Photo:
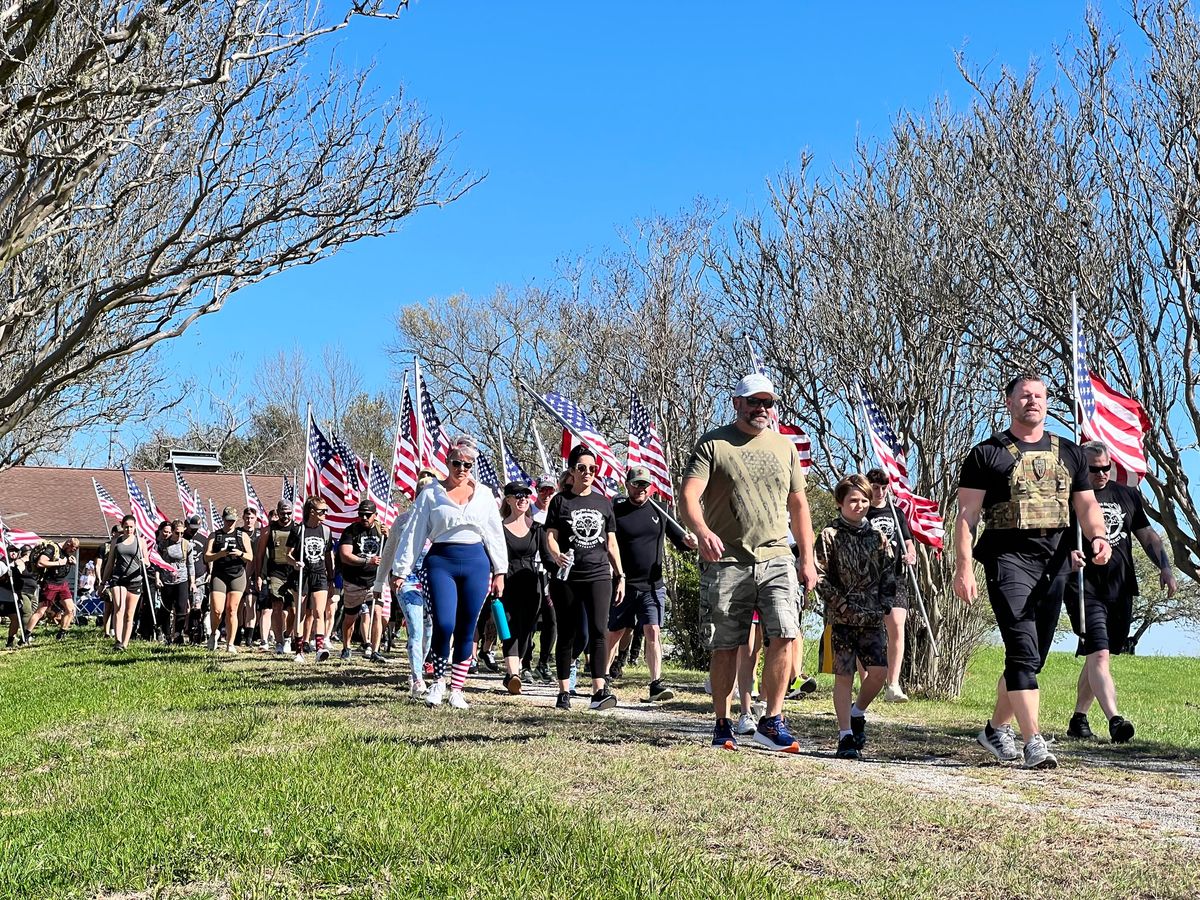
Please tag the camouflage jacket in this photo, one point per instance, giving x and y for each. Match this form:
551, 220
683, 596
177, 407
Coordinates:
856, 572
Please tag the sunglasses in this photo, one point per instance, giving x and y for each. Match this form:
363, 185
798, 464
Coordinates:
586, 470
519, 496
462, 464
1096, 470
320, 512
764, 402
639, 485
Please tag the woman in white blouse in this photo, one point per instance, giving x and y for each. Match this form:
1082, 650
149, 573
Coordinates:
466, 558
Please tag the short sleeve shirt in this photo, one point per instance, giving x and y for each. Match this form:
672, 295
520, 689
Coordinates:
583, 525
883, 519
317, 542
1124, 514
749, 478
363, 541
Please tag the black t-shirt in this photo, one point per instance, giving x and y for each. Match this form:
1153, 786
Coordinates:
229, 566
1124, 514
987, 468
883, 519
523, 551
318, 543
583, 525
52, 574
640, 532
363, 540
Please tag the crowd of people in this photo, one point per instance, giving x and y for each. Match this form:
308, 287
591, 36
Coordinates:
559, 567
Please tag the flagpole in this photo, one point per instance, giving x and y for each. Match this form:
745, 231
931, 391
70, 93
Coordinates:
909, 570
396, 439
149, 597
546, 406
537, 440
1076, 341
18, 606
420, 417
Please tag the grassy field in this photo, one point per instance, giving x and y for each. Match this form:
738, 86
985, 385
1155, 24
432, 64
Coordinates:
177, 774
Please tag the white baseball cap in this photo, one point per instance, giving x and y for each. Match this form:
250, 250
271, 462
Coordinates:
755, 384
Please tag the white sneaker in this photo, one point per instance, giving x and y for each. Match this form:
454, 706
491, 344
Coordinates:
299, 657
458, 701
1002, 744
758, 709
894, 694
435, 694
417, 691
229, 648
212, 642
745, 724
1038, 755
708, 685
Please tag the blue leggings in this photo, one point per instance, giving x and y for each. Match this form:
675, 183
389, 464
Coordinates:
458, 577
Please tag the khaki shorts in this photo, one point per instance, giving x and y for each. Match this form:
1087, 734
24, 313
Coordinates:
359, 600
730, 592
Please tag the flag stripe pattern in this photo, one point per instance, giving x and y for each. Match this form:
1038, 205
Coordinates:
406, 453
187, 498
513, 470
325, 476
108, 503
573, 419
485, 473
144, 520
214, 514
435, 446
254, 503
800, 441
379, 490
1118, 421
924, 519
646, 448
606, 479
14, 538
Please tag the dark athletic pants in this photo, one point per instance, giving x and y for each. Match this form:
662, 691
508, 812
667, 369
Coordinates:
522, 597
583, 603
1026, 594
173, 616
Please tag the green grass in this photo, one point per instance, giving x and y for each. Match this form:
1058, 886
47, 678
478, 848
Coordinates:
175, 774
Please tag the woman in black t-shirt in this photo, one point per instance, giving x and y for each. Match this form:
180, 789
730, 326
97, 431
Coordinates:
522, 587
582, 541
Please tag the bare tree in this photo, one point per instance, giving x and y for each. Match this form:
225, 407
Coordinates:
159, 157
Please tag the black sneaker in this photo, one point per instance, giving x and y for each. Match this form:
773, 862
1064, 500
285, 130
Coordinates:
802, 687
564, 700
660, 692
473, 669
603, 699
9, 645
858, 724
60, 634
617, 671
543, 673
489, 661
1079, 727
848, 748
1120, 730
723, 738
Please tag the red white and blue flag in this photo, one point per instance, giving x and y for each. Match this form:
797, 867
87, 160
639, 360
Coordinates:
253, 502
187, 497
646, 447
433, 445
380, 491
325, 476
1119, 422
924, 520
574, 420
485, 473
406, 453
108, 504
513, 470
214, 514
13, 538
144, 520
793, 433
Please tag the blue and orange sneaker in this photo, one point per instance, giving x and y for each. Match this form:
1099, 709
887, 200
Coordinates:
772, 733
723, 738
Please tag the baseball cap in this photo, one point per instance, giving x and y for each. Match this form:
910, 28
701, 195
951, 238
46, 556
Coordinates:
193, 521
638, 473
755, 384
367, 507
546, 480
516, 488
229, 514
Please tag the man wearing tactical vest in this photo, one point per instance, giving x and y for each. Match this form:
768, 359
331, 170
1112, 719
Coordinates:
1023, 483
282, 575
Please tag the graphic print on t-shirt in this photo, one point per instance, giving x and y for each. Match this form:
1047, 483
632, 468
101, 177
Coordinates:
1114, 522
885, 525
367, 544
314, 549
587, 528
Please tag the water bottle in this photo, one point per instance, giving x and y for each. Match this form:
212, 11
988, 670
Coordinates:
565, 569
500, 619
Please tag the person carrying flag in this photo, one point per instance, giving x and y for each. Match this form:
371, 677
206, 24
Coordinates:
282, 582
359, 551
883, 516
311, 545
1022, 484
124, 570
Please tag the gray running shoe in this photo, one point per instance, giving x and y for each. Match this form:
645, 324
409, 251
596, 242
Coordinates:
1038, 755
1002, 744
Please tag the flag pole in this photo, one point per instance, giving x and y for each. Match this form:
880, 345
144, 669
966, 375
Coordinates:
142, 550
18, 606
541, 450
396, 439
910, 571
298, 618
1076, 357
420, 417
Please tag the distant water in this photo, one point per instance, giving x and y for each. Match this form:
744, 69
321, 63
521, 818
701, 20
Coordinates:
1161, 640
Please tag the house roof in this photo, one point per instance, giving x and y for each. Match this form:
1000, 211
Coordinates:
58, 503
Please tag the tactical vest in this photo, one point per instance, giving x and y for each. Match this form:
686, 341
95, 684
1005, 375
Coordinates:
279, 549
1039, 490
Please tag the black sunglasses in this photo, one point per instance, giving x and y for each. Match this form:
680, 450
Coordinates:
583, 469
1096, 470
462, 464
764, 402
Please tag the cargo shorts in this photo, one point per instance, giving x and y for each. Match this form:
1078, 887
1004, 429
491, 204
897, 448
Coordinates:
731, 592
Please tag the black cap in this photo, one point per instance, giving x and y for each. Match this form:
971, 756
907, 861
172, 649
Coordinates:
367, 507
514, 488
193, 521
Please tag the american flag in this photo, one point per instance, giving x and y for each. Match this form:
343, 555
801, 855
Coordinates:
214, 514
356, 470
156, 511
108, 504
646, 448
379, 490
799, 439
253, 502
187, 497
11, 538
513, 470
1104, 415
144, 520
325, 476
924, 520
573, 419
434, 445
760, 366
485, 473
406, 452
290, 488
288, 493
202, 528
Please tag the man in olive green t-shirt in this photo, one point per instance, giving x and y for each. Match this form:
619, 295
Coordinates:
742, 488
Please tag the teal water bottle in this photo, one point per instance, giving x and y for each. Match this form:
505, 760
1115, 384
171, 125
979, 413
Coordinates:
500, 619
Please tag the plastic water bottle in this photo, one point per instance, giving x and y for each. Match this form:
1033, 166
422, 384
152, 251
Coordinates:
565, 570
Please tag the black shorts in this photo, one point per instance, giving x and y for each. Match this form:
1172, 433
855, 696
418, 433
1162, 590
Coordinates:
866, 644
901, 601
1026, 594
316, 581
641, 607
133, 583
1108, 623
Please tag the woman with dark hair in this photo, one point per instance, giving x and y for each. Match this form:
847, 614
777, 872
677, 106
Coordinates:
177, 584
124, 570
228, 551
466, 558
523, 586
581, 540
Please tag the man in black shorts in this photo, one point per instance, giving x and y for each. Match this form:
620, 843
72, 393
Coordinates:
1023, 483
1108, 594
641, 528
358, 551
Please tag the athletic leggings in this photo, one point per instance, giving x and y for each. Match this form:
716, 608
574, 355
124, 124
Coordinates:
457, 580
522, 597
582, 602
1027, 596
175, 598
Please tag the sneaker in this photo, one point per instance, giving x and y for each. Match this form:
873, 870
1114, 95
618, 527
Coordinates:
758, 709
1038, 755
858, 724
526, 676
435, 694
212, 642
543, 673
474, 668
417, 690
723, 738
60, 634
847, 748
772, 733
489, 661
894, 694
322, 653
9, 645
308, 646
299, 657
745, 724
617, 671
1079, 727
379, 658
802, 687
230, 648
512, 683
1120, 730
345, 654
1002, 743
563, 701
458, 701
660, 692
603, 699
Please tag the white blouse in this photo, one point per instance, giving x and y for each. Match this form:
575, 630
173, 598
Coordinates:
435, 518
